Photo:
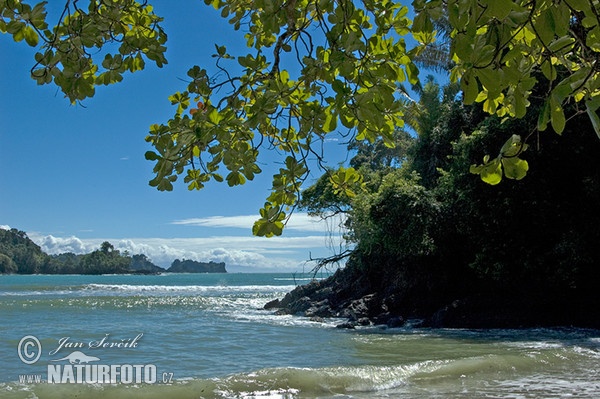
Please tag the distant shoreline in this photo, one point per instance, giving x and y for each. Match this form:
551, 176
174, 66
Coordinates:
20, 255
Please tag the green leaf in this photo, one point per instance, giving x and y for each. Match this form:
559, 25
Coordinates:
413, 73
330, 122
498, 8
221, 50
492, 172
563, 43
593, 39
217, 177
515, 168
593, 115
422, 23
513, 147
271, 222
31, 36
549, 70
235, 179
545, 26
544, 116
579, 5
557, 115
151, 156
470, 89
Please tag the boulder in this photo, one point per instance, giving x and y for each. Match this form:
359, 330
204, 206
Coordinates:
274, 304
347, 325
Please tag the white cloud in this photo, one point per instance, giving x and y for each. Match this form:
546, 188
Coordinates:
56, 245
219, 221
239, 253
4, 227
298, 222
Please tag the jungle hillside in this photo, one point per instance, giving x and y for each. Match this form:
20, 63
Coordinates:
434, 243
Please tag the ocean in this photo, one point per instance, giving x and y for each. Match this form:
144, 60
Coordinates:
207, 336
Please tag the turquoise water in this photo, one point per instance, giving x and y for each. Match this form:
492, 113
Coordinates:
206, 336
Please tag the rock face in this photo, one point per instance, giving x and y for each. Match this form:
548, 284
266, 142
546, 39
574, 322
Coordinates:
352, 295
140, 264
339, 296
191, 266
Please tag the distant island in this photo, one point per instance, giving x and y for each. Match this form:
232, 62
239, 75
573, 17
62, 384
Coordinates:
191, 266
20, 255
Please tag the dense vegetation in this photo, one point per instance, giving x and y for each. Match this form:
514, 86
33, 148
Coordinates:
319, 70
191, 266
426, 233
18, 254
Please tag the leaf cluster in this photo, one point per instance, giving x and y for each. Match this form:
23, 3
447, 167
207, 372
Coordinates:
86, 47
343, 64
500, 47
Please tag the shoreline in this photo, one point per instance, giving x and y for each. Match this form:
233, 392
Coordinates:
342, 296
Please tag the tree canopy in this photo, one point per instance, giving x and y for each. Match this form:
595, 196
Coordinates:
425, 233
320, 68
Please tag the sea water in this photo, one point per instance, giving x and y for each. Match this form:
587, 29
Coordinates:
207, 336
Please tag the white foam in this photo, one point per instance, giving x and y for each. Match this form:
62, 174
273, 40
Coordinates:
188, 288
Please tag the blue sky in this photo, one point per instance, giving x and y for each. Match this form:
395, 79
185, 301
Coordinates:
74, 176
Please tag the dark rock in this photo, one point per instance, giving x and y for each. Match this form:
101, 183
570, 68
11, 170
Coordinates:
275, 303
396, 321
348, 325
364, 321
320, 309
317, 319
358, 308
300, 306
439, 318
383, 293
382, 318
140, 264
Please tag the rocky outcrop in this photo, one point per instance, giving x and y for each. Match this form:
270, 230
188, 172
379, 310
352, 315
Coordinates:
191, 266
362, 301
339, 296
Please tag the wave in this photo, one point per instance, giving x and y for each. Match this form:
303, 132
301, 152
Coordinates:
537, 371
187, 288
37, 292
147, 289
275, 383
449, 378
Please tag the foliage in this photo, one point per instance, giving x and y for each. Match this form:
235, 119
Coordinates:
507, 161
378, 156
7, 265
500, 48
540, 232
89, 47
319, 68
105, 260
18, 254
192, 266
289, 94
534, 236
396, 219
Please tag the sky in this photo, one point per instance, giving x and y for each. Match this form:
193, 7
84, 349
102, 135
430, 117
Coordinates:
73, 176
